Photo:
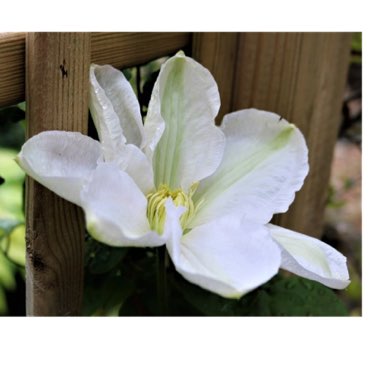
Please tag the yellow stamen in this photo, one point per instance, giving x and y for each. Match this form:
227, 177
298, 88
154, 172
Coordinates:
156, 211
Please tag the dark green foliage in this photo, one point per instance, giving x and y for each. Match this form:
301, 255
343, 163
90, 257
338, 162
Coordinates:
296, 296
124, 282
12, 125
101, 258
356, 43
11, 272
142, 79
147, 91
104, 285
12, 288
290, 296
103, 294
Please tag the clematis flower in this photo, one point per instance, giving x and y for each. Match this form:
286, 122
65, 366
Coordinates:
206, 192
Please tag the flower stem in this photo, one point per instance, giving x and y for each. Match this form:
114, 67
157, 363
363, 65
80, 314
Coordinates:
162, 296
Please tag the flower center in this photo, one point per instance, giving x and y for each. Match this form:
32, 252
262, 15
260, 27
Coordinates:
156, 211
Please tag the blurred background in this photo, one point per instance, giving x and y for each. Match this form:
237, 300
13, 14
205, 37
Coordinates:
342, 228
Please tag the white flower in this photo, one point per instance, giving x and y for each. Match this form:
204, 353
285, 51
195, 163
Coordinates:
208, 193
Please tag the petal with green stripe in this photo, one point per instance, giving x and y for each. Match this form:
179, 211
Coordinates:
187, 145
264, 164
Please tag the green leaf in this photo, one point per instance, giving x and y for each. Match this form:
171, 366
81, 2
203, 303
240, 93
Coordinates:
22, 106
17, 245
147, 89
12, 132
7, 226
11, 191
118, 281
291, 296
140, 302
101, 258
124, 282
203, 301
296, 296
7, 273
104, 294
356, 43
140, 273
3, 302
130, 74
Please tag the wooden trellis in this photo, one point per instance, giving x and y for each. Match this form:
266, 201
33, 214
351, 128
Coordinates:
301, 76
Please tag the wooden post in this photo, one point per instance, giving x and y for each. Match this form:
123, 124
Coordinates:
57, 67
217, 52
300, 76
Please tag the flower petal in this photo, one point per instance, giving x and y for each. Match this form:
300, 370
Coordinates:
228, 256
114, 109
115, 209
311, 258
61, 161
264, 164
133, 161
180, 121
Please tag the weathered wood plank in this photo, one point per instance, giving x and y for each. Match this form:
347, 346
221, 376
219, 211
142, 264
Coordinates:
217, 52
12, 68
55, 227
300, 76
130, 49
118, 49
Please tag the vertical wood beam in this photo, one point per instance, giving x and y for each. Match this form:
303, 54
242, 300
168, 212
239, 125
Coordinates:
217, 52
300, 76
57, 67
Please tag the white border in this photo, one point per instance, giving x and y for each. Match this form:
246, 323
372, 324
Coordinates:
194, 15
210, 348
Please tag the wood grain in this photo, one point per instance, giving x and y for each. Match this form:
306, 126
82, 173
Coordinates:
218, 52
300, 76
117, 49
12, 68
57, 91
130, 49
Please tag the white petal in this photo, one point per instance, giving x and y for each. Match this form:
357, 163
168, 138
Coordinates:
115, 209
133, 161
264, 164
116, 114
311, 258
114, 109
181, 114
229, 257
61, 161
